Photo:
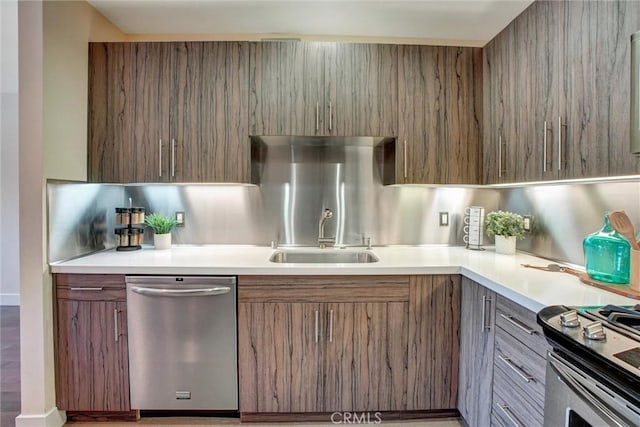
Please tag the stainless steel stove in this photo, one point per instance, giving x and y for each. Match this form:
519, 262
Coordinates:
593, 372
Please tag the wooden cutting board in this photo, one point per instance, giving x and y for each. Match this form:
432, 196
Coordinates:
623, 290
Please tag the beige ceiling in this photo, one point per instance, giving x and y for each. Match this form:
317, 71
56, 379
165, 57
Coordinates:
462, 22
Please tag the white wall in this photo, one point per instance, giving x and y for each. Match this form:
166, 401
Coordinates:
68, 27
52, 92
9, 263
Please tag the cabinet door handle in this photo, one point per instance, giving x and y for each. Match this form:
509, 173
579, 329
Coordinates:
560, 126
160, 157
518, 324
330, 325
405, 159
87, 289
499, 156
317, 116
484, 325
512, 418
521, 373
330, 122
544, 148
115, 324
173, 157
316, 326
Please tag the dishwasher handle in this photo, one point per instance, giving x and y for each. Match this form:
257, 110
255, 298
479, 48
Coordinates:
199, 292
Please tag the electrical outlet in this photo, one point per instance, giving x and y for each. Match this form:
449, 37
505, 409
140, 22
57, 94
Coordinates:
527, 223
444, 219
180, 219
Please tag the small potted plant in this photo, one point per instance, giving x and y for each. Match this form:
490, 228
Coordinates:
162, 226
506, 227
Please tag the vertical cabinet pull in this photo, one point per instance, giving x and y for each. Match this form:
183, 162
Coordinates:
499, 157
173, 157
544, 148
560, 126
330, 325
160, 157
405, 159
484, 325
330, 122
317, 116
115, 324
316, 326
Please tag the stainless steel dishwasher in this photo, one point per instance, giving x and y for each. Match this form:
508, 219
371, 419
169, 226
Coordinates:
182, 342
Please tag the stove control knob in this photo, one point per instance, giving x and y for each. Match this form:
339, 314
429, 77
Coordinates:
569, 319
594, 331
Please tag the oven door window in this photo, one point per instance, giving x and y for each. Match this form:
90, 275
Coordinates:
574, 399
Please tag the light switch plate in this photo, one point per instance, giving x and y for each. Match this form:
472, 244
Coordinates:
527, 223
444, 219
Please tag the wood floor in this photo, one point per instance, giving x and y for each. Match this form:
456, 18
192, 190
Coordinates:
9, 365
10, 390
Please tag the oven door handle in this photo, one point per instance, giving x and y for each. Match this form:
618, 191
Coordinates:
582, 392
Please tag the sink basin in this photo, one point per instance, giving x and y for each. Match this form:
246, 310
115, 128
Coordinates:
328, 257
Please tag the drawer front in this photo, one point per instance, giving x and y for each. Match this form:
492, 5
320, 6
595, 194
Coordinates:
90, 287
511, 407
318, 289
524, 370
521, 323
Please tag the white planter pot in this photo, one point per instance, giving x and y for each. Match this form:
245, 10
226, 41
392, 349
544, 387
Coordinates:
506, 245
162, 241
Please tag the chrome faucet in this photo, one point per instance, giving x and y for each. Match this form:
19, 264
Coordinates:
323, 242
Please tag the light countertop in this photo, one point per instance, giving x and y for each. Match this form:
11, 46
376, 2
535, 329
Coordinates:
503, 274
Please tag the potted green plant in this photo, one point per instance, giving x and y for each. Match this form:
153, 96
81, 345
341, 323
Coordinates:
506, 227
162, 226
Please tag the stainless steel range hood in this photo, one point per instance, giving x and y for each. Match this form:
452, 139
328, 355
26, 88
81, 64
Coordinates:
635, 94
300, 176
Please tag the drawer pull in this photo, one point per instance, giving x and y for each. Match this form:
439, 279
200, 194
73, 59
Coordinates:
512, 418
518, 324
521, 373
87, 289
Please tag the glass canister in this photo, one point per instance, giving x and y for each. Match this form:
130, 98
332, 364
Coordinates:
607, 255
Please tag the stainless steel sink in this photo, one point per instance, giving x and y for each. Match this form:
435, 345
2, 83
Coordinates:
323, 257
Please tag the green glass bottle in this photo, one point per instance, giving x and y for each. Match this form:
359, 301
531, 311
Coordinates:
606, 255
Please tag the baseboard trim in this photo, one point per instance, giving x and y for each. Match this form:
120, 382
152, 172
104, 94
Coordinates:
9, 299
53, 418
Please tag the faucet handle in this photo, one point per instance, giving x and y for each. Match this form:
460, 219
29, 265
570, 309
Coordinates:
274, 244
369, 243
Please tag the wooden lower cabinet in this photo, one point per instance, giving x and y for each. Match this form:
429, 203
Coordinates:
91, 352
347, 343
477, 335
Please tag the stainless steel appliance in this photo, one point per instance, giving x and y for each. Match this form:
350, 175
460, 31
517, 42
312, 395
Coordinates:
593, 372
182, 342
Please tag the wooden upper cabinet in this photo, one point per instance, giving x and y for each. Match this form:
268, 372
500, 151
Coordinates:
572, 72
110, 113
324, 89
500, 134
209, 113
361, 87
286, 88
166, 112
440, 104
